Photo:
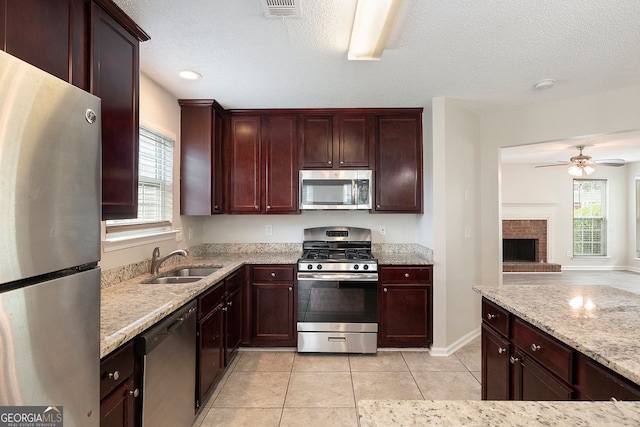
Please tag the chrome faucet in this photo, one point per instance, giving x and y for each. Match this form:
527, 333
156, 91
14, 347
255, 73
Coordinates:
156, 261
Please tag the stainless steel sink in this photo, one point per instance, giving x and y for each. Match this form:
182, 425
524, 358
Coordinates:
168, 280
194, 271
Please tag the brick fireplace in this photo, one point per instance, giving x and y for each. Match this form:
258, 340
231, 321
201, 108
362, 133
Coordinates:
525, 246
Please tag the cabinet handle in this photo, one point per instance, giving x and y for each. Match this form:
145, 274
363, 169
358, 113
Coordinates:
114, 376
384, 289
329, 162
215, 207
290, 288
535, 347
230, 303
491, 316
514, 360
273, 274
406, 274
268, 207
257, 207
224, 308
501, 350
341, 162
134, 393
378, 206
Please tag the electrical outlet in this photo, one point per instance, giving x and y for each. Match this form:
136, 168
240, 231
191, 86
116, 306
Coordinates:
179, 235
190, 233
268, 229
383, 230
467, 232
569, 254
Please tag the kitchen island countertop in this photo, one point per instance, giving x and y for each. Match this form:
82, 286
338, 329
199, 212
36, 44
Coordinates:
598, 321
379, 413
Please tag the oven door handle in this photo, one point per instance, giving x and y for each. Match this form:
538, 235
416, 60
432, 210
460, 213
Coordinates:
332, 277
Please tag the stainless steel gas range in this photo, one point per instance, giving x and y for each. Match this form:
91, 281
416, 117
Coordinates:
337, 291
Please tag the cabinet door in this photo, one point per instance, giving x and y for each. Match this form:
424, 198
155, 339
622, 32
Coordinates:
280, 171
210, 353
405, 315
316, 142
399, 164
118, 409
114, 78
200, 158
233, 325
273, 314
532, 382
244, 177
49, 34
353, 135
496, 378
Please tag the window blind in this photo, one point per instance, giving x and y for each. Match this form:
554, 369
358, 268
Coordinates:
155, 184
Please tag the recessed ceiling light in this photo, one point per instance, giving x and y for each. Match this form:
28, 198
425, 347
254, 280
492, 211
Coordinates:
189, 75
544, 83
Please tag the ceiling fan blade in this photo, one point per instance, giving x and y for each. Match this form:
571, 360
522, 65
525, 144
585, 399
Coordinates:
554, 164
609, 164
603, 161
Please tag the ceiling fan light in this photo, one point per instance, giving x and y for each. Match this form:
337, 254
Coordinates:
580, 170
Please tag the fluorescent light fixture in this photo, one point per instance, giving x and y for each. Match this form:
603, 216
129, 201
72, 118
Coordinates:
189, 75
372, 26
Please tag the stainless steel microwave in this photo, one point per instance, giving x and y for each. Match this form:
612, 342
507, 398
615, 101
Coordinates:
335, 189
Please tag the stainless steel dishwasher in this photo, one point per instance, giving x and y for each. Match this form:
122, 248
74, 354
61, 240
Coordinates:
168, 350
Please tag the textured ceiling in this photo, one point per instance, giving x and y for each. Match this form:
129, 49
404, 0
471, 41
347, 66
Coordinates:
484, 53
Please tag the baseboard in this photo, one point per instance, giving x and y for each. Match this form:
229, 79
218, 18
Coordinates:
457, 345
595, 268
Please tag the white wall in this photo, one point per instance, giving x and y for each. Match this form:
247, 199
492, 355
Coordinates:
547, 193
601, 113
160, 111
633, 212
456, 200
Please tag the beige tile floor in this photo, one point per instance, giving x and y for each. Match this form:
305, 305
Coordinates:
284, 388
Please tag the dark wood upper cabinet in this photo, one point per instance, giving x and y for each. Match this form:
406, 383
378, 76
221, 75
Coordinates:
399, 163
335, 141
244, 164
201, 127
280, 171
49, 34
263, 174
114, 77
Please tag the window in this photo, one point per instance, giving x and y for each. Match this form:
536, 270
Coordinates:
589, 219
155, 178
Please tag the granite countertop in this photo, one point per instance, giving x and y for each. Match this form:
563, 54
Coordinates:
602, 323
130, 307
402, 259
373, 413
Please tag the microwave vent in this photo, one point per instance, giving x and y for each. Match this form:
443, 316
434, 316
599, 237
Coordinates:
281, 8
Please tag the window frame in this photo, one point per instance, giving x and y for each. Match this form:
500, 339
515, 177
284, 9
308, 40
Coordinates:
602, 218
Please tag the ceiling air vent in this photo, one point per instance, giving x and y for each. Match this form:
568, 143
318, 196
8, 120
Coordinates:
281, 8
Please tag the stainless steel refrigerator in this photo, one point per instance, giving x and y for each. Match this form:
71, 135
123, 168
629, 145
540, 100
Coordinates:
49, 244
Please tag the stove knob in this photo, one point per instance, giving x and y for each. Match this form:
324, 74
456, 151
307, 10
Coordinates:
309, 267
319, 266
355, 267
366, 267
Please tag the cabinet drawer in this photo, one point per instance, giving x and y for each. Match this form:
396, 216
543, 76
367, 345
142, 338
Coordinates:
273, 274
233, 282
209, 300
541, 347
496, 317
116, 368
406, 274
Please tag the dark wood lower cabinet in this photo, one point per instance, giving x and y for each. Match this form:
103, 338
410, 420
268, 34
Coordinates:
118, 409
119, 390
273, 311
210, 352
233, 325
496, 368
405, 299
531, 381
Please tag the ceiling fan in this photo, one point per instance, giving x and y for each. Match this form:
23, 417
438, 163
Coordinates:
583, 165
